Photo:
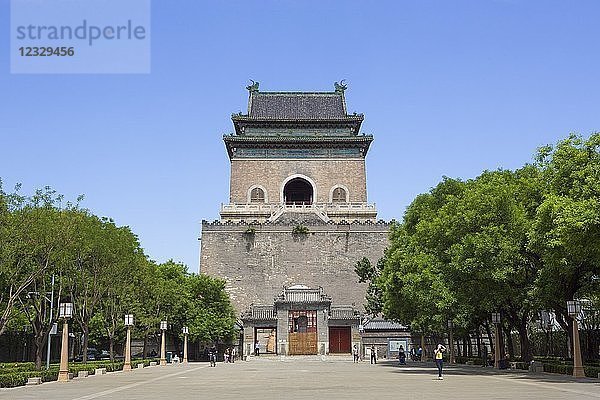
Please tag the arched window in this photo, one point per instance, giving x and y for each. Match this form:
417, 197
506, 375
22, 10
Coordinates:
257, 195
339, 195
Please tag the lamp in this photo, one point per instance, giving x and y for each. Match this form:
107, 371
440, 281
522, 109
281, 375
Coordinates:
496, 322
65, 311
128, 319
574, 310
185, 331
163, 328
128, 324
495, 318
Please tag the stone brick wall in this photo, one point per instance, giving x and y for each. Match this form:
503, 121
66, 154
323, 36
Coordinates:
270, 174
257, 265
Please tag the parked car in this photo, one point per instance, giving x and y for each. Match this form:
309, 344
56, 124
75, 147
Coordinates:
93, 354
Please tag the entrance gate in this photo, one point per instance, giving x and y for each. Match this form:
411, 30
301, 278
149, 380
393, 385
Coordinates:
303, 343
339, 339
302, 334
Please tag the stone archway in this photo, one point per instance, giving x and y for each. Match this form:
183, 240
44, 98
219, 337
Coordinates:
298, 191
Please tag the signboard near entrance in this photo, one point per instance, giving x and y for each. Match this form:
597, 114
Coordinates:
394, 346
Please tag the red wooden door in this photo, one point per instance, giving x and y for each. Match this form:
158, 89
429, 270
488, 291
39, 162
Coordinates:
339, 339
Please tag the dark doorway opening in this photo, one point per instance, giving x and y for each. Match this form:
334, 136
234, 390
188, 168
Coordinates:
298, 191
267, 339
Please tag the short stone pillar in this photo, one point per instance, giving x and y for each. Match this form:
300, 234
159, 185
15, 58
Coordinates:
83, 374
100, 371
34, 381
153, 363
140, 365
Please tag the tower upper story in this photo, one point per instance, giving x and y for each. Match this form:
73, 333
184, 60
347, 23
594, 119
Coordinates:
297, 152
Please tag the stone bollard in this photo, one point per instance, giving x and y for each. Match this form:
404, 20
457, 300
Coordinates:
100, 371
153, 363
83, 374
34, 381
140, 365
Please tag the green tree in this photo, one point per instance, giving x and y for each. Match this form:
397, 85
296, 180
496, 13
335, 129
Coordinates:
210, 316
567, 227
367, 273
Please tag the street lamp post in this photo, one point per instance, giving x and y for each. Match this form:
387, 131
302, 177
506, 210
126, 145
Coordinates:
185, 344
574, 309
128, 324
65, 311
451, 341
163, 328
496, 322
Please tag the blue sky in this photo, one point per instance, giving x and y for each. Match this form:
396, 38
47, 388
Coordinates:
447, 88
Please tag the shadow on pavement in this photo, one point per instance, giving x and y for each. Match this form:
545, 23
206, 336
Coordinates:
429, 368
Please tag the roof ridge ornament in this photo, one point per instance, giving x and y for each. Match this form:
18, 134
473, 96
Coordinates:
253, 87
341, 86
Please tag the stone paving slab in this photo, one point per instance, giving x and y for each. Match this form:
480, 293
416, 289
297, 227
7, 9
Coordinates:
312, 378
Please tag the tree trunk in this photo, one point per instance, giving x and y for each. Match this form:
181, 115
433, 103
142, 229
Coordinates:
145, 345
524, 341
488, 331
508, 346
86, 333
111, 348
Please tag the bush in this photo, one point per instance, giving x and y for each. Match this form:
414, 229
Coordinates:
567, 369
300, 230
591, 371
13, 379
463, 360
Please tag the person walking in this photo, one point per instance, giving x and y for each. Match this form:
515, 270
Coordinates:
212, 355
439, 359
256, 348
373, 355
401, 356
355, 353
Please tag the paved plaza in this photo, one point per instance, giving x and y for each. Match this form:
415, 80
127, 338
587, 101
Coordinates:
311, 378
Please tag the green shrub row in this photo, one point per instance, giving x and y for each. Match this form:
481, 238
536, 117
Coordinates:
463, 360
13, 379
566, 369
13, 375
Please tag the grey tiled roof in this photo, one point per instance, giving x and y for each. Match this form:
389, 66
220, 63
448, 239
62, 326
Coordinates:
297, 105
383, 325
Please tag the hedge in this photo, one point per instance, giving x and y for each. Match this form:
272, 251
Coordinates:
16, 374
565, 369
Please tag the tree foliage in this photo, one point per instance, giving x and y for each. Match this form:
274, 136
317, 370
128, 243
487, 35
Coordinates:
510, 241
102, 269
